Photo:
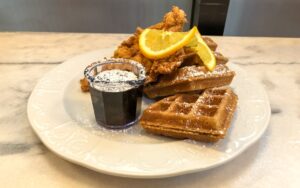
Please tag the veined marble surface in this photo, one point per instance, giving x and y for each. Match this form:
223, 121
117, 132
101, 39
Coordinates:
273, 161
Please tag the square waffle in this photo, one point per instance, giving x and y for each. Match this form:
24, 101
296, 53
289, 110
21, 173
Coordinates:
204, 117
190, 78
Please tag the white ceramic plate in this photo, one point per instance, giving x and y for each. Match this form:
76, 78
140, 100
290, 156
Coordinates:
62, 116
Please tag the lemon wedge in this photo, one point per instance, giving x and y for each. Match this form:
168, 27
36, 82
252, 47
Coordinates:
156, 44
203, 51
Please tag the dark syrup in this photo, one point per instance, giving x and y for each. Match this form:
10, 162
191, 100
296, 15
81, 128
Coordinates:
117, 109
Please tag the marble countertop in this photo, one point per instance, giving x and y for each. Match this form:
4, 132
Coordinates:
273, 161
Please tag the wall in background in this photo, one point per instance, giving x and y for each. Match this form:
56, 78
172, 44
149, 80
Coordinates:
263, 18
115, 16
245, 17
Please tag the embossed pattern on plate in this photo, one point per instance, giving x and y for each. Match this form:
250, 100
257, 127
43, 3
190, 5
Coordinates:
62, 117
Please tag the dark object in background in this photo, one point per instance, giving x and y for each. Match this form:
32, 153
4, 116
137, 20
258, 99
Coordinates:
210, 16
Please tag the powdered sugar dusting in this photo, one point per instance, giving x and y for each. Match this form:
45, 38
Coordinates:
191, 71
115, 80
115, 75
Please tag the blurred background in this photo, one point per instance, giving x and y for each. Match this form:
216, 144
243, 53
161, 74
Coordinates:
213, 17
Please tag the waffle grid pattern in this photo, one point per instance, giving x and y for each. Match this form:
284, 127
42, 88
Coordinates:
207, 114
189, 104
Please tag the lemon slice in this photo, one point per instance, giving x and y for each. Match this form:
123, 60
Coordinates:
156, 44
204, 52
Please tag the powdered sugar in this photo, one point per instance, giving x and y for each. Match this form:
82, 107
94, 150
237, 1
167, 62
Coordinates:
191, 71
115, 75
115, 80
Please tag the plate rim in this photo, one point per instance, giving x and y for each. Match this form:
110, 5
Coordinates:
136, 175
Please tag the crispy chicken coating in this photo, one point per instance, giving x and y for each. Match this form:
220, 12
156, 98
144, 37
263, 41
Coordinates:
172, 21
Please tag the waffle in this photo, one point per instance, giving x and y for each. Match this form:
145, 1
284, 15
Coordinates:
190, 78
203, 117
188, 58
210, 43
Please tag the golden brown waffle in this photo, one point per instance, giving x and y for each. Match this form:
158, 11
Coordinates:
204, 117
190, 78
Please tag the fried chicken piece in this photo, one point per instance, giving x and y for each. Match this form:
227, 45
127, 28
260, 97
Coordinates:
210, 43
172, 21
129, 49
220, 58
84, 85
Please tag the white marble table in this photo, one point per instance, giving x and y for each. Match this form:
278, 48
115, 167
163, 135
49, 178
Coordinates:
274, 161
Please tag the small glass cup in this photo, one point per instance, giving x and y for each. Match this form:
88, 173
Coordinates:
117, 104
